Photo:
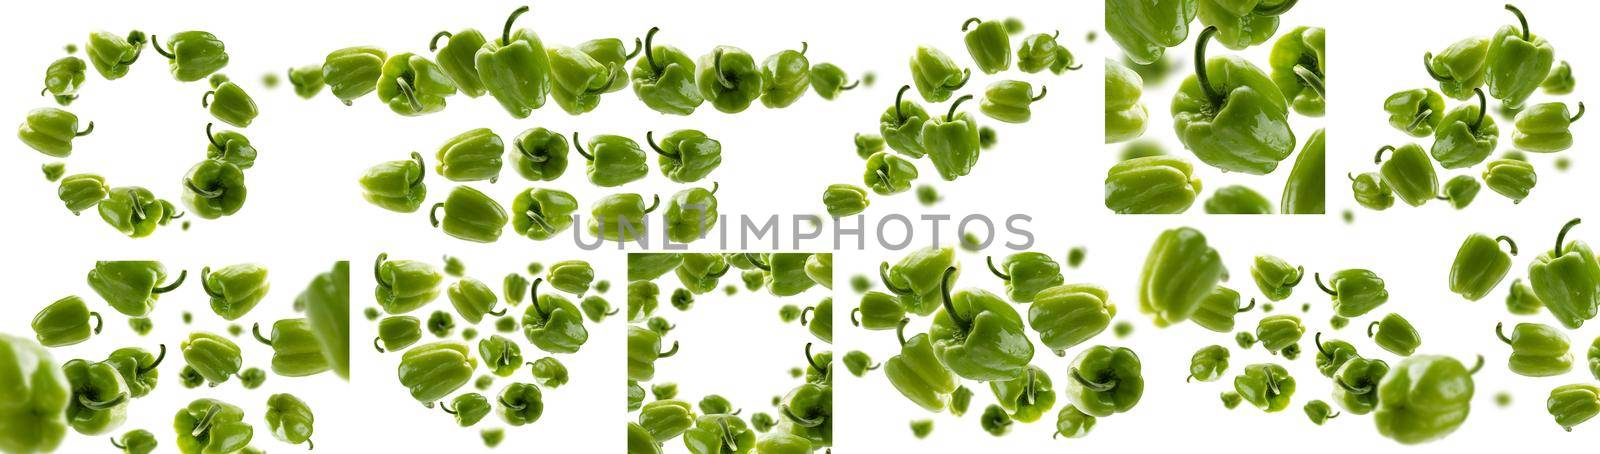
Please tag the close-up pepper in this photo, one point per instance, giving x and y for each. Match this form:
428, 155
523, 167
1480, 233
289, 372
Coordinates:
1537, 350
471, 156
214, 188
1306, 190
138, 441
644, 348
1356, 384
295, 349
1480, 265
1460, 191
65, 322
552, 323
548, 372
1041, 51
432, 371
1126, 116
396, 185
1545, 128
1179, 272
640, 442
951, 141
785, 272
1355, 291
1517, 61
515, 68
132, 287
691, 214
1416, 112
37, 395
352, 72
412, 85
614, 54
231, 147
1371, 191
1231, 115
664, 80
829, 80
326, 303
936, 75
1105, 381
395, 333
1465, 137
1208, 363
192, 55
50, 131
577, 79
82, 191
1567, 280
918, 373
1242, 23
1279, 332
888, 173
63, 78
1424, 398
540, 154
1010, 101
212, 356
1266, 386
468, 409
210, 426
1026, 274
540, 214
988, 43
457, 59
1511, 178
229, 103
819, 267
306, 80
857, 362
405, 285
99, 397
1275, 277
1573, 404
571, 276
235, 289
620, 217
1218, 309
1299, 67
290, 420
137, 367
501, 356
1395, 334
473, 299
1459, 68
877, 311
699, 273
1237, 199
112, 55
785, 76
666, 419
1151, 185
685, 155
1028, 396
901, 125
470, 215
135, 211
845, 200
729, 79
612, 160
1145, 29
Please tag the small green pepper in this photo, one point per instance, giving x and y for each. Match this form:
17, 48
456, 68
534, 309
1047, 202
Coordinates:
888, 173
877, 311
1465, 136
978, 335
951, 142
1460, 191
1237, 199
1565, 279
1521, 300
1332, 355
1573, 404
229, 103
1356, 384
1545, 128
515, 68
858, 363
1459, 69
1041, 51
138, 441
1275, 277
868, 144
620, 217
501, 356
1243, 23
1105, 381
1208, 363
50, 131
936, 75
1073, 423
665, 78
571, 276
553, 323
989, 44
132, 287
470, 215
457, 60
1026, 397
1266, 386
295, 349
1026, 274
614, 54
1537, 350
921, 428
99, 402
210, 426
113, 55
719, 433
473, 299
686, 155
729, 79
1424, 398
820, 324
405, 285
541, 155
995, 421
829, 80
353, 72
1559, 81
845, 200
1236, 121
1371, 191
612, 160
1009, 101
235, 289
1278, 332
1179, 272
214, 189
666, 419
960, 399
1218, 310
548, 372
65, 322
578, 79
1416, 112
412, 85
1144, 30
290, 420
1319, 412
193, 55
468, 409
397, 332
1151, 185
137, 368
540, 214
1355, 291
521, 404
1480, 265
785, 272
432, 371
396, 185
1517, 61
471, 156
597, 308
691, 214
307, 80
642, 300
901, 125
1511, 178
63, 78
917, 372
231, 147
1299, 67
785, 76
1395, 334
214, 357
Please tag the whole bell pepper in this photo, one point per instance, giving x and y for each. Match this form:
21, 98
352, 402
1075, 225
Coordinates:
620, 217
137, 367
540, 214
135, 211
820, 324
877, 311
917, 278
1218, 309
1028, 396
918, 373
729, 79
614, 54
1517, 61
396, 185
1180, 271
553, 323
1409, 173
1208, 363
1537, 350
596, 308
193, 55
231, 147
1231, 115
1126, 116
353, 72
640, 441
326, 302
397, 332
1573, 404
578, 79
1521, 300
1424, 398
571, 276
1395, 334
1266, 386
1026, 274
515, 69
888, 173
613, 160
1480, 265
501, 356
549, 372
1073, 423
1010, 100
1279, 332
132, 287
1275, 277
1237, 199
1319, 412
1151, 185
1067, 315
50, 131
989, 44
1545, 128
432, 371
845, 200
404, 285
65, 322
643, 298
290, 419
901, 125
1041, 51
936, 75
541, 155
785, 272
1416, 112
471, 156
1459, 69
458, 59
227, 102
212, 356
819, 267
1299, 67
1460, 191
412, 85
213, 189
296, 351
808, 412
829, 80
649, 266
1511, 178
306, 80
138, 441
472, 299
952, 142
644, 348
685, 155
63, 77
37, 396
1356, 384
82, 191
1355, 291
665, 78
960, 399
1145, 29
1332, 355
113, 55
1567, 280
1371, 191
785, 77
666, 419
691, 214
1105, 381
470, 215
210, 426
1243, 23
99, 401
856, 361
1466, 135
719, 433
235, 289
995, 421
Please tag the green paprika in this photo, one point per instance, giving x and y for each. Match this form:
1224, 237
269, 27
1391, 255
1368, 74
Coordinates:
210, 426
1299, 67
1545, 128
577, 79
501, 356
63, 77
686, 155
1243, 23
1266, 386
396, 185
397, 332
1480, 265
1395, 334
951, 142
473, 299
1278, 332
229, 103
691, 214
1218, 309
295, 349
515, 69
458, 59
1567, 280
235, 289
471, 156
132, 287
1460, 191
405, 285
844, 200
192, 55
552, 323
1416, 112
1151, 185
1511, 178
1424, 398
785, 77
99, 402
1517, 61
620, 217
1009, 100
936, 75
470, 215
1466, 135
1559, 81
1237, 121
729, 79
412, 85
918, 373
1537, 350
114, 55
1026, 397
1105, 381
1237, 199
1208, 363
1371, 191
1179, 272
829, 80
432, 371
212, 356
541, 155
665, 78
1126, 117
50, 131
307, 80
290, 419
1573, 404
65, 322
540, 214
644, 348
901, 125
1356, 384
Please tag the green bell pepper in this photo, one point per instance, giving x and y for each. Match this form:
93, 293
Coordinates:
210, 426
1145, 29
960, 399
473, 299
193, 55
213, 189
1028, 396
1424, 398
888, 173
306, 80
665, 78
691, 214
901, 125
397, 332
1151, 185
577, 79
640, 442
829, 80
1416, 112
613, 160
1409, 173
1231, 115
326, 302
785, 77
868, 144
213, 357
995, 421
1237, 199
936, 75
1243, 23
132, 287
729, 78
844, 200
785, 272
1179, 272
138, 441
1545, 128
295, 349
1067, 315
112, 55
1356, 383
1537, 350
353, 72
642, 300
99, 401
1275, 277
1319, 412
614, 54
1459, 69
719, 433
820, 324
699, 273
951, 142
819, 267
808, 412
686, 155
1480, 265
290, 419
1026, 274
988, 43
1105, 381
571, 276
1208, 363
1395, 334
1010, 100
405, 285
1126, 116
63, 78
1371, 191
1266, 386
1305, 192
1299, 67
1594, 358
1517, 61
644, 348
235, 289
229, 103
50, 131
1460, 191
1566, 279
412, 85
918, 373
231, 147
1559, 81
65, 322
1073, 423
666, 419
1466, 136
137, 368
396, 185
541, 155
135, 211
432, 371
1218, 309
651, 265
471, 156
501, 356
470, 215
549, 372
1521, 300
82, 191
857, 362
1040, 51
515, 69
553, 323
1278, 332
458, 59
1573, 404
540, 214
877, 311
620, 217
1511, 178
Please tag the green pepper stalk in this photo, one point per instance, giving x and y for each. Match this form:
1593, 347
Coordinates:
137, 368
1517, 61
1537, 350
665, 78
541, 154
1240, 124
1460, 143
515, 69
951, 142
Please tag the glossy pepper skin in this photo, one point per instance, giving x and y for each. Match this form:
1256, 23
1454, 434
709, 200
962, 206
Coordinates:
213, 189
1218, 309
1567, 280
1279, 332
65, 322
936, 75
685, 155
1332, 355
1521, 300
829, 80
1371, 191
235, 289
50, 131
210, 426
99, 400
1126, 116
901, 125
1416, 112
553, 323
1275, 277
353, 72
113, 55
212, 356
138, 441
515, 68
877, 311
412, 85
729, 79
472, 299
571, 276
231, 147
396, 186
1409, 173
326, 301
470, 215
1266, 386
952, 142
471, 156
1545, 128
917, 278
468, 408
397, 332
820, 323
819, 267
1424, 398
1395, 334
666, 419
691, 214
785, 272
988, 43
1010, 100
1594, 358
501, 356
807, 411
295, 349
137, 367
1237, 199
620, 217
699, 273
458, 59
132, 287
432, 371
1460, 191
405, 285
1105, 381
63, 77
1537, 350
192, 55
1144, 29
577, 79
785, 77
889, 173
1041, 51
1028, 396
540, 214
82, 191
290, 419
1179, 272
1231, 115
644, 348
1573, 404
665, 78
614, 54
1480, 265
539, 154
1465, 136
1151, 185
1026, 274
1517, 61
1356, 384
1299, 67
36, 397
1459, 68
229, 103
548, 372
1243, 23
1511, 178
718, 434
135, 211
845, 200
917, 372
612, 160
1208, 363
640, 441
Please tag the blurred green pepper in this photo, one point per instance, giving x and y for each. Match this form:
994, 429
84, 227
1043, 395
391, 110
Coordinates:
1305, 192
307, 80
1559, 81
1145, 29
1424, 398
1218, 310
819, 267
138, 441
1460, 191
1180, 271
326, 302
1237, 199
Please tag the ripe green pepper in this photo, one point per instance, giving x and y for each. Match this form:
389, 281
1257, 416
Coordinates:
326, 300
50, 131
1208, 363
1356, 383
1126, 117
995, 421
916, 278
1278, 332
295, 349
548, 372
82, 191
821, 322
644, 348
785, 76
613, 53
578, 79
1026, 274
819, 267
1395, 334
540, 214
1237, 122
1237, 199
620, 217
470, 215
113, 55
640, 441
829, 80
210, 426
1275, 277
844, 200
1559, 81
1027, 396
231, 147
1243, 23
432, 371
307, 80
472, 299
1460, 191
1299, 67
1424, 398
500, 355
1480, 265
63, 77
1218, 309
193, 55
1180, 271
785, 272
353, 72
651, 265
1151, 185
1073, 423
1517, 61
877, 311
1466, 136
235, 289
856, 361
405, 285
1459, 69
918, 373
1266, 386
137, 368
666, 419
1319, 412
290, 420
212, 356
1145, 29
960, 399
541, 155
1545, 128
1511, 178
719, 433
515, 68
1521, 300
213, 189
553, 323
691, 214
1371, 191
190, 378
1040, 51
227, 102
1010, 100
138, 441
1537, 350
729, 78
1573, 404
1105, 381
1416, 112
888, 173
613, 160
989, 44
951, 142
396, 185
936, 75
458, 59
411, 85
1566, 279
686, 155
642, 300
471, 156
868, 144
99, 401
135, 211
571, 276
1409, 172
37, 394
901, 125
65, 322
808, 412
397, 332
131, 287
665, 78
699, 273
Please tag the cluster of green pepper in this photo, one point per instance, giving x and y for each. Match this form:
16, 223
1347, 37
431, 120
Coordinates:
520, 72
1232, 114
211, 189
952, 141
432, 371
1511, 66
804, 421
684, 156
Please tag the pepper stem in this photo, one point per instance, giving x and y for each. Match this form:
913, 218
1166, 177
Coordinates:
853, 320
804, 46
206, 193
98, 322
205, 99
1042, 91
533, 296
1372, 329
1378, 157
969, 22
1422, 117
1498, 327
1349, 175
508, 405
669, 352
1098, 387
1320, 349
114, 444
213, 138
411, 94
173, 286
204, 424
579, 146
84, 400
1527, 35
1569, 120
852, 85
637, 46
1363, 389
883, 275
949, 305
813, 361
649, 138
755, 260
899, 117
505, 33
159, 357
433, 214
433, 44
716, 67
807, 310
1562, 236
86, 130
1310, 78
649, 51
900, 331
155, 42
1477, 366
377, 275
1483, 108
376, 345
1274, 10
655, 201
1248, 307
256, 331
421, 167
205, 283
1427, 64
787, 413
996, 271
951, 116
1200, 65
1317, 277
1508, 242
1299, 275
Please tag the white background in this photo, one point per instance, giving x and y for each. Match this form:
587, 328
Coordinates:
305, 208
